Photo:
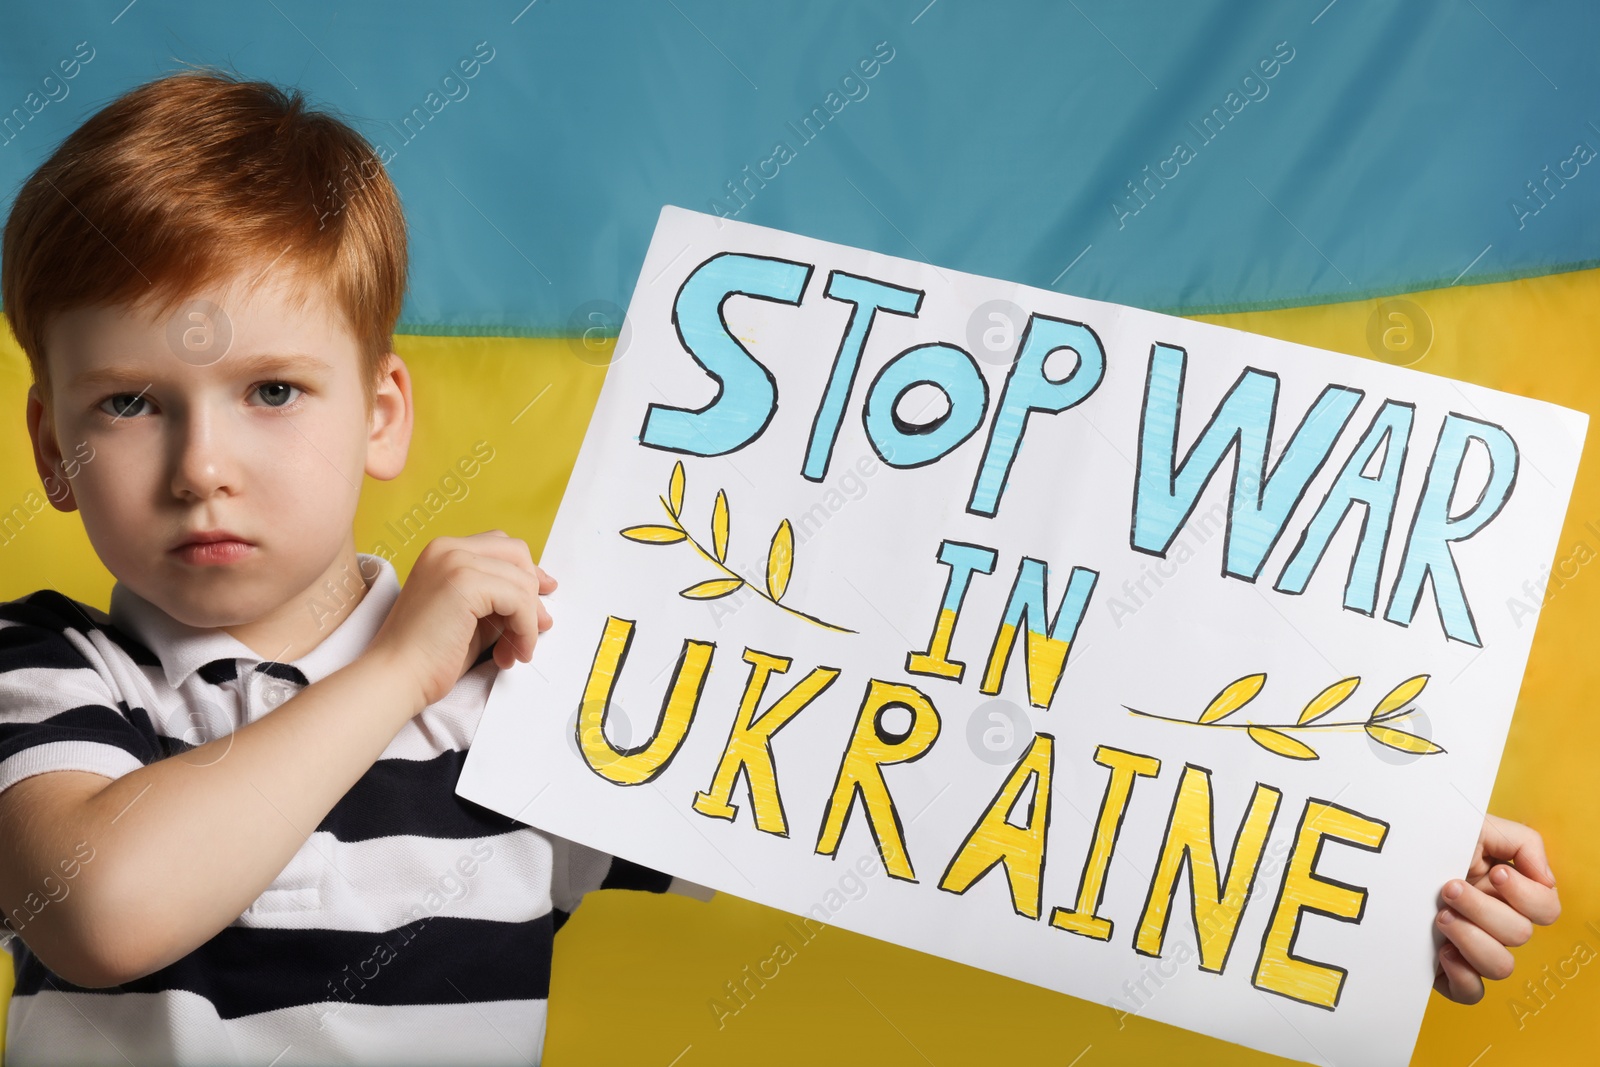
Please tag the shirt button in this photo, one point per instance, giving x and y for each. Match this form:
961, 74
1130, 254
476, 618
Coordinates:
268, 692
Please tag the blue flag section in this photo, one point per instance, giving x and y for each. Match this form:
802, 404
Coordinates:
1191, 158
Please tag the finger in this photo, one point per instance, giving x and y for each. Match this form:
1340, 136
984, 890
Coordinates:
1540, 903
502, 649
495, 635
500, 545
1486, 955
505, 656
499, 587
547, 582
1455, 979
1515, 843
484, 637
1491, 914
545, 621
518, 646
522, 554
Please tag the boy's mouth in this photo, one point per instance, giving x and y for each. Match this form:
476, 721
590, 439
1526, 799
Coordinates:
212, 546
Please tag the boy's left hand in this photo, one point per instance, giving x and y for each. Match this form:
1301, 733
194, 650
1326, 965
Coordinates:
1508, 888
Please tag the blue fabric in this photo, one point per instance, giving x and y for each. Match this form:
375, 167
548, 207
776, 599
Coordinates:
1385, 156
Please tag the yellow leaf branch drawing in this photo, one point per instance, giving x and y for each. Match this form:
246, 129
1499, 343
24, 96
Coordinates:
1279, 738
780, 552
780, 560
1233, 697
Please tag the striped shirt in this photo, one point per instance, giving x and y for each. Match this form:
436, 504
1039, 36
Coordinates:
413, 926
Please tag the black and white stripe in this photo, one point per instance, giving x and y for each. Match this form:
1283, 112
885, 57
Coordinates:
409, 919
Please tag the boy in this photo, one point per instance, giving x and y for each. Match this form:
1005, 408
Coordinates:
278, 865
226, 818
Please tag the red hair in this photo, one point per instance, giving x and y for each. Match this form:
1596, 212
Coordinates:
188, 180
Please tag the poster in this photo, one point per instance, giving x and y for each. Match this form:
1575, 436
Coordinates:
1153, 662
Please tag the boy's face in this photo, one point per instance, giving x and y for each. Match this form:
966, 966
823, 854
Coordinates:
158, 433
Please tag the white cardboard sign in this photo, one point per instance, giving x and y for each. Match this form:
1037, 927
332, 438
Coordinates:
1153, 662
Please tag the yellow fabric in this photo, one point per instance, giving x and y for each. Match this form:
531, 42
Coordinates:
636, 975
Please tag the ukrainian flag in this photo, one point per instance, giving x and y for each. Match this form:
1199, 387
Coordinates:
1416, 183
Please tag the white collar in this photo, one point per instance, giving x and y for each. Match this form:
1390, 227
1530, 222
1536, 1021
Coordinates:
183, 649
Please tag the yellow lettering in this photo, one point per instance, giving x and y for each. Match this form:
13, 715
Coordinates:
749, 745
1124, 766
1279, 970
638, 765
936, 661
1046, 640
1189, 841
997, 840
861, 772
964, 561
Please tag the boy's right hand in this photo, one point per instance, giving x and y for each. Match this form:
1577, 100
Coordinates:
464, 594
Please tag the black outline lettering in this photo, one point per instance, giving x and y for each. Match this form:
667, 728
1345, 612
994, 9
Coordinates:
677, 328
1311, 875
926, 428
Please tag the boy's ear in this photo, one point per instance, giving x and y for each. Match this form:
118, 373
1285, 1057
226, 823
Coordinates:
47, 452
389, 434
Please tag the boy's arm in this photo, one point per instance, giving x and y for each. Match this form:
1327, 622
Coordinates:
182, 846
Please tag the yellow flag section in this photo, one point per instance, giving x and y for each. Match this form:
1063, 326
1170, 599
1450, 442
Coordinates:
499, 422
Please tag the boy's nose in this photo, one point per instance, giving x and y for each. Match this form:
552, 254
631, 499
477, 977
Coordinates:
204, 462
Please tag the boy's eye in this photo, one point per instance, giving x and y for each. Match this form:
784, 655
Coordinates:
123, 405
276, 394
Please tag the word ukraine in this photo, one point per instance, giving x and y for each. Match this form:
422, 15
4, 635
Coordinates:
995, 841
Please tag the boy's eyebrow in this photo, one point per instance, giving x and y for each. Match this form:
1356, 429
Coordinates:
269, 364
